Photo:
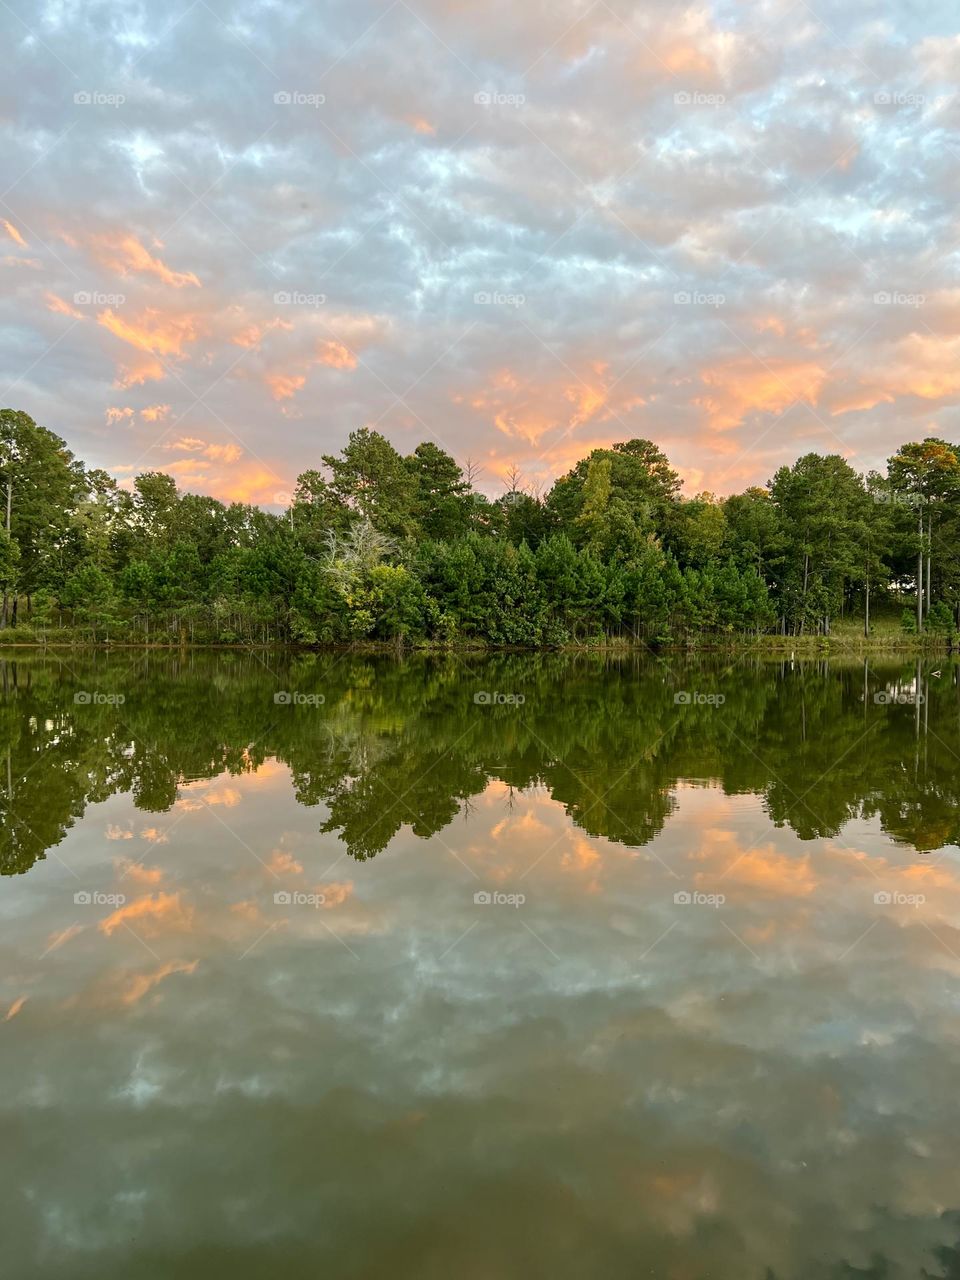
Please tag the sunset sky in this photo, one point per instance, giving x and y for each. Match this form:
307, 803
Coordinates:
231, 232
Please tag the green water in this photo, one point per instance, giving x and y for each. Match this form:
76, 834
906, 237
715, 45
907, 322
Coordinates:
508, 967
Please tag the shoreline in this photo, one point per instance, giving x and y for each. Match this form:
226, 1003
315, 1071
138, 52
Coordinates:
775, 646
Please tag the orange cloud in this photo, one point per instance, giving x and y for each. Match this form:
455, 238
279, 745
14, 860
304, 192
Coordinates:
152, 910
282, 863
336, 893
526, 409
126, 254
113, 415
155, 412
13, 233
134, 373
153, 333
746, 385
144, 982
284, 386
15, 1008
253, 484
62, 307
58, 940
419, 125
336, 355
152, 330
215, 452
138, 873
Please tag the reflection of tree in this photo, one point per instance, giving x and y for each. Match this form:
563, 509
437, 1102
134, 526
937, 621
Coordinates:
403, 742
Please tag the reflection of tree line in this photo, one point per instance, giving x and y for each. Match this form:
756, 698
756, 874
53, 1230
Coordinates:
404, 742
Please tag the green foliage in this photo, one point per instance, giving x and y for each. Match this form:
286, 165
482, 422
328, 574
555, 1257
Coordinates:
376, 546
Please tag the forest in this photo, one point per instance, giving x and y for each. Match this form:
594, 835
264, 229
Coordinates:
380, 547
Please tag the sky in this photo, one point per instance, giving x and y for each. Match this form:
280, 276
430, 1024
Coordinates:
232, 232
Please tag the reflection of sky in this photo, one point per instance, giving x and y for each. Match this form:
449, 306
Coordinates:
599, 1074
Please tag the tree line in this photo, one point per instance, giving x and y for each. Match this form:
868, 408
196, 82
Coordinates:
378, 546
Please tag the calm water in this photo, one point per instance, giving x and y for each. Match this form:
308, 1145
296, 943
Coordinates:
522, 967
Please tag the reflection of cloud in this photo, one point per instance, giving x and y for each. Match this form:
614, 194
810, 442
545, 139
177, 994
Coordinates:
282, 863
141, 983
15, 1008
138, 873
58, 940
162, 910
336, 893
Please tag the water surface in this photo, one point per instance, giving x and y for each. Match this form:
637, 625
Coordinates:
505, 967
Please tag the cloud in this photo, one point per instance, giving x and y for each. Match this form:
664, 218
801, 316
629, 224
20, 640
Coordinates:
13, 233
215, 452
152, 912
596, 164
15, 1008
125, 253
142, 983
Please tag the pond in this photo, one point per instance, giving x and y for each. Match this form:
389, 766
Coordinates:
509, 966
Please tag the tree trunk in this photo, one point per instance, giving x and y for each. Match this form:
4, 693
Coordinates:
929, 557
866, 608
920, 574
